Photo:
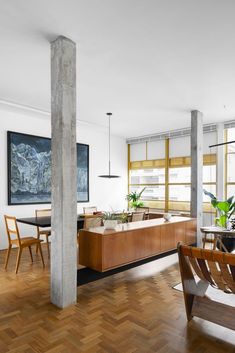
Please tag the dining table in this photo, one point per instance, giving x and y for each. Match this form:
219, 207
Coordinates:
45, 222
218, 240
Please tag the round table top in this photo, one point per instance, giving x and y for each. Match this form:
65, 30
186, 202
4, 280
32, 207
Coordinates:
217, 230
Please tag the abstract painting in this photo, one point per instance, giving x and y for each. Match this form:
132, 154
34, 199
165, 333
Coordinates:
29, 169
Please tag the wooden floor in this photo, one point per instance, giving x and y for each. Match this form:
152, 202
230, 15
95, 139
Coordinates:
134, 311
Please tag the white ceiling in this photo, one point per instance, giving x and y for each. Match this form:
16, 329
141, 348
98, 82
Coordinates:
148, 61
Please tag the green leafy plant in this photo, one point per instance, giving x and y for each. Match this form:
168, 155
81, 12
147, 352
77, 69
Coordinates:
123, 217
110, 216
134, 198
225, 209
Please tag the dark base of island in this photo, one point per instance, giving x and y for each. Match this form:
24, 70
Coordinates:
87, 275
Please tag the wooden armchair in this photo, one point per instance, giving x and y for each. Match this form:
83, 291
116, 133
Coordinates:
15, 239
213, 268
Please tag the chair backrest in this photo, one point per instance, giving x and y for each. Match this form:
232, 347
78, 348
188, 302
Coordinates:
91, 222
142, 209
43, 213
89, 210
12, 228
212, 266
137, 216
185, 214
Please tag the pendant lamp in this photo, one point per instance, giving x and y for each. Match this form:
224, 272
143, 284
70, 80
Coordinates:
109, 175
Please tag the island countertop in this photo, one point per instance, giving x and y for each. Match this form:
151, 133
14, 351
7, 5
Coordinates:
126, 227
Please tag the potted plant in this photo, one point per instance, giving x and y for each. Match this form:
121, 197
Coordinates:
110, 220
134, 199
123, 218
225, 210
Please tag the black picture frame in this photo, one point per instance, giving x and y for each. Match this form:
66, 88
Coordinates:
27, 197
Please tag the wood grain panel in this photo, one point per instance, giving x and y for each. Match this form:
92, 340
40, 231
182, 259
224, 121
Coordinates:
180, 233
136, 242
167, 237
117, 249
152, 241
90, 250
190, 236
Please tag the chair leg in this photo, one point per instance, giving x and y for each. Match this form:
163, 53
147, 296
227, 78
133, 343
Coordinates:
30, 251
48, 246
190, 287
37, 246
215, 242
40, 250
204, 241
7, 256
18, 259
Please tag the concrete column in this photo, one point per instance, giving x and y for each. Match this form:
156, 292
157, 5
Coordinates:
197, 169
64, 173
220, 162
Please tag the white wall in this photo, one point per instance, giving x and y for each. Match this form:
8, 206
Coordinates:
104, 193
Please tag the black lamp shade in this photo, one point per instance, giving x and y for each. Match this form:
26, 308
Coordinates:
109, 176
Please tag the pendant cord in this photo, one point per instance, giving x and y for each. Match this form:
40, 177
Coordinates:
109, 115
109, 148
109, 175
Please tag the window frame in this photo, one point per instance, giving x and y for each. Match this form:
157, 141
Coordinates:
167, 163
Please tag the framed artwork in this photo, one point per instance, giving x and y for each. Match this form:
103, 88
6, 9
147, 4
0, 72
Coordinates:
29, 169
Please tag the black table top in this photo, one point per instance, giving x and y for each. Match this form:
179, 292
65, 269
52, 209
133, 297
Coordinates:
43, 222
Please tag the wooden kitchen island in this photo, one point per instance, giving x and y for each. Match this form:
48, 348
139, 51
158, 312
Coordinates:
103, 250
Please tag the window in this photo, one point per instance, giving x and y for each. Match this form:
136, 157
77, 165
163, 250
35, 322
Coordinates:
152, 192
230, 163
153, 180
179, 188
209, 181
173, 191
148, 176
179, 193
180, 175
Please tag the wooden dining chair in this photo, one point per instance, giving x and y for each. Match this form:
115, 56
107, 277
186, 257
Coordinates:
213, 268
145, 210
43, 231
89, 210
15, 239
142, 209
91, 222
137, 216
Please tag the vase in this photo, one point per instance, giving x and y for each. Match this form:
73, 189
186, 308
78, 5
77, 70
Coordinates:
228, 241
110, 223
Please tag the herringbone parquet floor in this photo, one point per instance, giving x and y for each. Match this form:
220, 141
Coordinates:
136, 311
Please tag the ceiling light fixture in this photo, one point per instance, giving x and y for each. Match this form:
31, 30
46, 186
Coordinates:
109, 175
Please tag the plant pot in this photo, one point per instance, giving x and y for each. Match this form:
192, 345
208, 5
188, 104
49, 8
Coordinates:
229, 243
110, 223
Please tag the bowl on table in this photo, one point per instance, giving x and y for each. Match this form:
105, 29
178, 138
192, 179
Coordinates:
167, 217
